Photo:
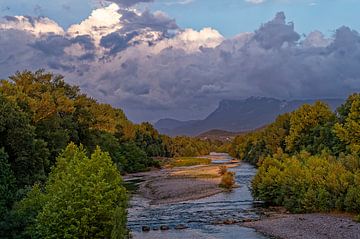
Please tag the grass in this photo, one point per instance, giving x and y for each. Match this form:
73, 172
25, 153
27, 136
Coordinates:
188, 161
207, 171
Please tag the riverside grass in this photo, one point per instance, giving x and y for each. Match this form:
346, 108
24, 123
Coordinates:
188, 161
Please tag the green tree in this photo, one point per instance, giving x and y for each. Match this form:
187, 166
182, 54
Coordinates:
135, 159
7, 193
307, 128
348, 129
28, 156
83, 198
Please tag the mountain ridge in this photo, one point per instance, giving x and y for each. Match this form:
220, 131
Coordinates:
238, 115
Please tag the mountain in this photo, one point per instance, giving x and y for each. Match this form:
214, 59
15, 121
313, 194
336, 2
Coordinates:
237, 116
171, 124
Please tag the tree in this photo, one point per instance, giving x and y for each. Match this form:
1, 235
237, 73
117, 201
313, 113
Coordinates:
135, 159
348, 129
28, 156
306, 126
148, 139
83, 198
7, 192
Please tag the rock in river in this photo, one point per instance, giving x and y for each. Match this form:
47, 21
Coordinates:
164, 227
145, 228
180, 227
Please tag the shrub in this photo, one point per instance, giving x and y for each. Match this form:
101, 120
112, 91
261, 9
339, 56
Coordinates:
228, 180
222, 170
305, 183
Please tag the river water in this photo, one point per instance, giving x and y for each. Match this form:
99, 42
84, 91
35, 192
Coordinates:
200, 216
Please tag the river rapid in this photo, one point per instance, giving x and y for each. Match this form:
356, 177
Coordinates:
202, 217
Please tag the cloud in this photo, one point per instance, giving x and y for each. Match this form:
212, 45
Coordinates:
34, 25
100, 23
144, 63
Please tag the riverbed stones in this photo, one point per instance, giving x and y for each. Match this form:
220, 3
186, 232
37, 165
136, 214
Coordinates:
145, 228
164, 227
230, 221
180, 227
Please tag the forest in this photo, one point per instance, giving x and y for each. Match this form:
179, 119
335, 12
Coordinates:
309, 159
62, 155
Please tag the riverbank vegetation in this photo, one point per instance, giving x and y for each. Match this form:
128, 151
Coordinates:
309, 160
228, 180
40, 115
188, 161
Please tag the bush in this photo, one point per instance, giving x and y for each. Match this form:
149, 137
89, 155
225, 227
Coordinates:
222, 170
228, 180
305, 183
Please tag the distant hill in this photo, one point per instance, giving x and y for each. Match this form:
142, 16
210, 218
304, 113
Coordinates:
166, 125
237, 116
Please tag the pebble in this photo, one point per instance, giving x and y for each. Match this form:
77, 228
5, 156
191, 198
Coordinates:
164, 227
145, 228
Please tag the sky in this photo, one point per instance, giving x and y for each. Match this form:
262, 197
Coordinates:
178, 58
229, 17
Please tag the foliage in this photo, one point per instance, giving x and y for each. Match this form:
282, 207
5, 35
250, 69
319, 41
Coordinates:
40, 114
25, 213
28, 155
308, 159
182, 146
306, 124
83, 198
306, 183
136, 160
228, 180
348, 129
222, 170
7, 192
189, 161
310, 128
148, 139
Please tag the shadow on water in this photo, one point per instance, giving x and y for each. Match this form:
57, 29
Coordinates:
204, 217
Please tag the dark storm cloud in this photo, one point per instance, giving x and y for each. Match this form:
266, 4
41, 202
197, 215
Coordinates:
52, 45
85, 41
156, 22
152, 77
116, 42
276, 32
134, 24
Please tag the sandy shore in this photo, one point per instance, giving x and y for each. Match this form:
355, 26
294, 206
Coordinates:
180, 184
308, 226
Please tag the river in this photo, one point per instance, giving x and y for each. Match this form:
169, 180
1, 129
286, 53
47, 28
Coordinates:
200, 216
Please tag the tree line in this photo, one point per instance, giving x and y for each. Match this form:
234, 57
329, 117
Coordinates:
61, 155
309, 159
